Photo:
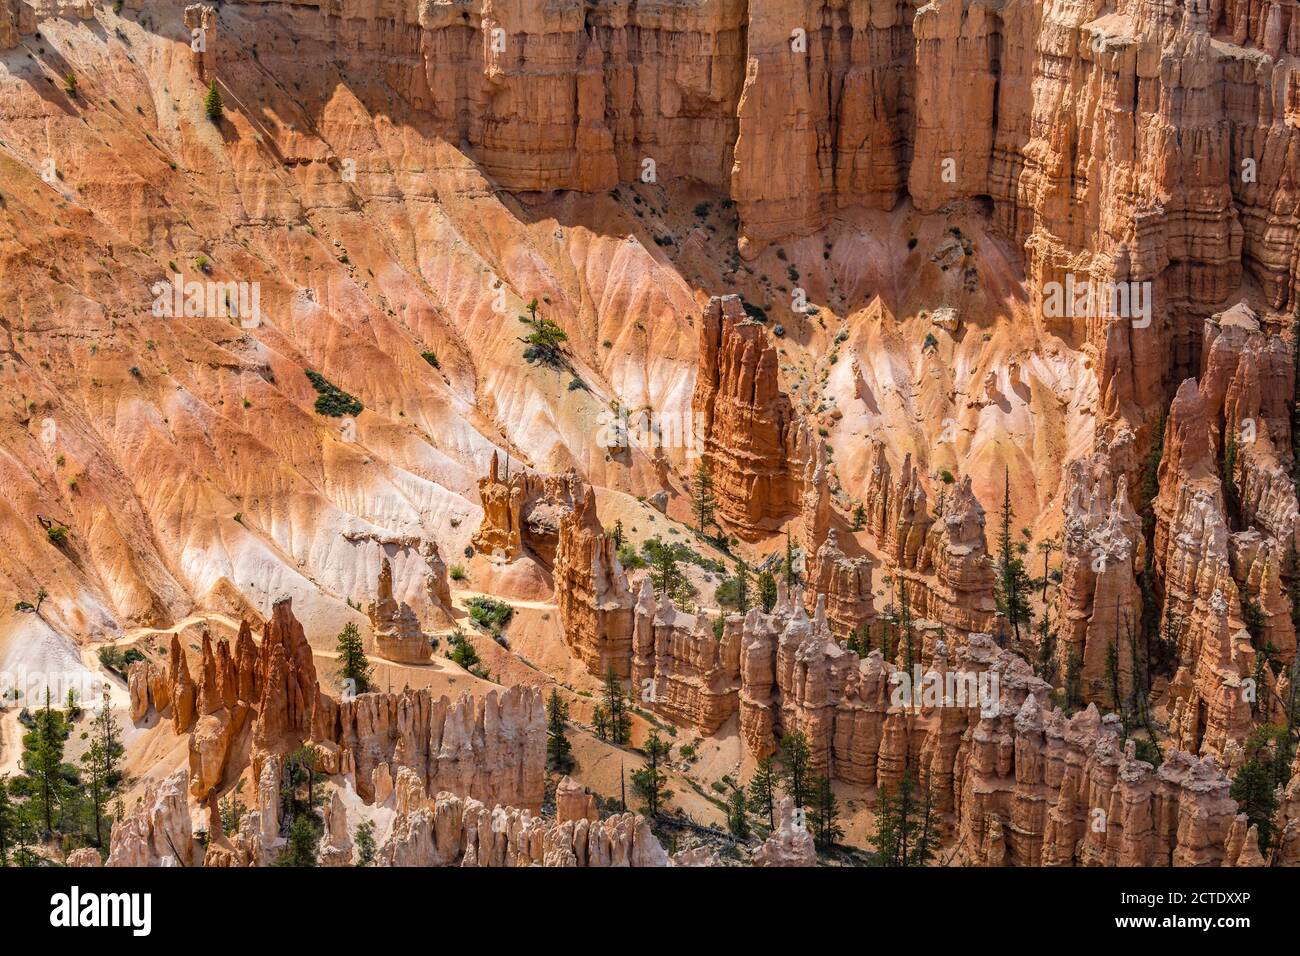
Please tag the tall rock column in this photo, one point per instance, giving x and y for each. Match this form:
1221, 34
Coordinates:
751, 435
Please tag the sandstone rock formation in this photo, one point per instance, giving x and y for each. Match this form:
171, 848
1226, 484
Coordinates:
751, 439
448, 830
493, 747
398, 636
942, 564
680, 670
791, 843
591, 591
157, 831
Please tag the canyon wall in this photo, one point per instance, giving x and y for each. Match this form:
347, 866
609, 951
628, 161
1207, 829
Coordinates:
1117, 143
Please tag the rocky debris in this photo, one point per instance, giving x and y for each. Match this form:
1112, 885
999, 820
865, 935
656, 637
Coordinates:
751, 436
157, 831
398, 636
680, 669
591, 591
791, 843
86, 856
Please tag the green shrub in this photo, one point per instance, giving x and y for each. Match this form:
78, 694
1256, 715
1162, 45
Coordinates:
489, 613
332, 400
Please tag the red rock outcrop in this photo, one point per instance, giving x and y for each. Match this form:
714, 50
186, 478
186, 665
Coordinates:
1098, 602
941, 561
492, 748
751, 434
679, 669
591, 591
398, 636
846, 584
522, 512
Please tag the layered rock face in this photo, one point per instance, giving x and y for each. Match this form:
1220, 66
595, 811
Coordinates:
1202, 603
398, 635
751, 436
1098, 603
799, 114
448, 830
846, 584
522, 512
493, 748
942, 562
1015, 780
679, 669
591, 591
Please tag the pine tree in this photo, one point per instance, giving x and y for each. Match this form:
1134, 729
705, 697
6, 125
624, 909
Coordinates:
762, 789
619, 721
825, 815
703, 503
767, 591
559, 752
1012, 584
600, 721
905, 626
1150, 486
859, 517
665, 576
365, 841
905, 833
1113, 677
791, 575
795, 759
100, 765
304, 838
650, 783
737, 821
743, 587
8, 821
1046, 663
1073, 681
1045, 548
1254, 786
43, 758
212, 103
1231, 499
353, 664
617, 534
